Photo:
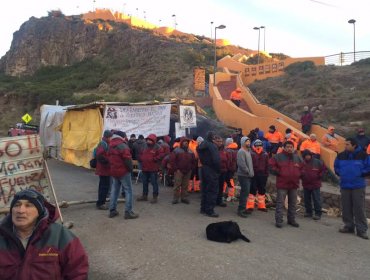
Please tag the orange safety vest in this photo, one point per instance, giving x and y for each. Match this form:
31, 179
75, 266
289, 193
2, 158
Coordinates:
368, 149
275, 137
330, 142
312, 146
235, 95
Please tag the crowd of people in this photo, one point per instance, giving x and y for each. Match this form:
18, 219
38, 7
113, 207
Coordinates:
34, 246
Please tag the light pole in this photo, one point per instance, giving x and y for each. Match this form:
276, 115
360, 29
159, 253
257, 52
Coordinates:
144, 15
258, 52
354, 38
211, 29
214, 61
174, 21
264, 37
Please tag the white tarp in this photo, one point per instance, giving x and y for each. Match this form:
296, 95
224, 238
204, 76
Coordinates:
188, 117
139, 119
21, 167
51, 117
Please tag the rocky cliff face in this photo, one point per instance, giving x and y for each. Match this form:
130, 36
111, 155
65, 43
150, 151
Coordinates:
51, 41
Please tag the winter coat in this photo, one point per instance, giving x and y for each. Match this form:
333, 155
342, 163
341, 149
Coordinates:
245, 164
287, 168
224, 160
312, 172
274, 137
151, 158
363, 141
209, 156
137, 148
182, 160
53, 252
260, 163
306, 118
232, 151
119, 157
102, 159
352, 168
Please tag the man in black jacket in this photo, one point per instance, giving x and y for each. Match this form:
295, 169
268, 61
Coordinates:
210, 159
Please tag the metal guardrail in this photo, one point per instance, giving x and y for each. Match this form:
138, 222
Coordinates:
347, 58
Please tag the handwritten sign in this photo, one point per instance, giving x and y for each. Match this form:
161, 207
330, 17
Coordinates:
21, 167
139, 119
188, 118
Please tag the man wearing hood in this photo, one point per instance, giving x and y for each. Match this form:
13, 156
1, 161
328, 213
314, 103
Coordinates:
120, 168
182, 163
287, 166
150, 158
352, 165
312, 172
103, 169
34, 246
210, 160
245, 174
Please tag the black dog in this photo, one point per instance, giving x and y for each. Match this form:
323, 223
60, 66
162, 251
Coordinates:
224, 232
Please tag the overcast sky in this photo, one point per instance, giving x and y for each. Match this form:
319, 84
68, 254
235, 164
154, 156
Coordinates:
297, 28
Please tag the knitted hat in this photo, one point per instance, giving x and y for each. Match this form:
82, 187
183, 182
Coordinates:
228, 141
120, 133
243, 140
32, 196
200, 140
258, 142
107, 134
306, 152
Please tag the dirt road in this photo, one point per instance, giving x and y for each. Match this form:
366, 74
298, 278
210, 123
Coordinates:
168, 241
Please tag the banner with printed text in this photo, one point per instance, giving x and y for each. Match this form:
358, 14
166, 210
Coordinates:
139, 119
21, 167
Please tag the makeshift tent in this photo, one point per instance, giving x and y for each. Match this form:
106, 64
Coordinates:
50, 136
81, 131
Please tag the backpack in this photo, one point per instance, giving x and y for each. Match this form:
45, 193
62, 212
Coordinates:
101, 158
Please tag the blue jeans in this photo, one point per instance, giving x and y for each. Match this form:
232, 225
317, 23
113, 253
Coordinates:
151, 177
126, 183
245, 185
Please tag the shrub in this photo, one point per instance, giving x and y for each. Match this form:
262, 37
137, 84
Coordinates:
297, 68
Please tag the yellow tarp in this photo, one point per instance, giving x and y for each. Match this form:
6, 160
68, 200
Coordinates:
81, 132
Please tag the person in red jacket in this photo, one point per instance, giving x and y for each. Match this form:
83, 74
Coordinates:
34, 246
225, 163
261, 172
150, 158
231, 149
312, 172
103, 169
120, 160
287, 167
182, 163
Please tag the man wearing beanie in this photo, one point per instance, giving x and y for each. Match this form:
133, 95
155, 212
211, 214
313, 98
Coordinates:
245, 173
33, 246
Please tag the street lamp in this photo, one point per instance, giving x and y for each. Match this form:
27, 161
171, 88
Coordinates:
354, 38
211, 29
174, 22
258, 52
264, 37
214, 61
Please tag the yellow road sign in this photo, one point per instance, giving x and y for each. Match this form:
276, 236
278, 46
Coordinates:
27, 118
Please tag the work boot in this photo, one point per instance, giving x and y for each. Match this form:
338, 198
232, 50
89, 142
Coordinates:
175, 201
316, 217
363, 235
293, 223
131, 215
262, 209
212, 215
307, 215
346, 230
279, 225
113, 213
242, 213
185, 201
222, 204
144, 197
102, 207
154, 199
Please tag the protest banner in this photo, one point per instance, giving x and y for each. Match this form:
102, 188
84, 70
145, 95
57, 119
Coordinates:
139, 119
21, 167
